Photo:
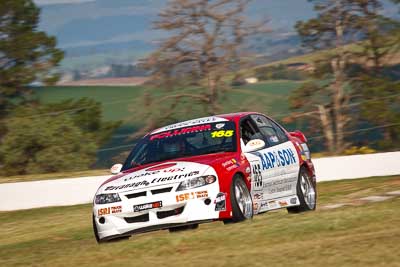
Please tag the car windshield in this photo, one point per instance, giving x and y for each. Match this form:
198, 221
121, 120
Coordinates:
183, 142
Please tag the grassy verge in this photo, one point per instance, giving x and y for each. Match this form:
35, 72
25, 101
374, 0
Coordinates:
365, 235
52, 176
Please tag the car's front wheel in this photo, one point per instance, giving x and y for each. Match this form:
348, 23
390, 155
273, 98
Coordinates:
306, 193
241, 201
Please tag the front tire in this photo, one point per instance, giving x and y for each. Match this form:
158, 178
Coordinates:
306, 193
241, 201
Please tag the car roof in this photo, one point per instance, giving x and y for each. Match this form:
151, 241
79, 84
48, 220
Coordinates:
235, 116
215, 118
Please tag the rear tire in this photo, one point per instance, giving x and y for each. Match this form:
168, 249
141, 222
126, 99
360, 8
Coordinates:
241, 201
306, 193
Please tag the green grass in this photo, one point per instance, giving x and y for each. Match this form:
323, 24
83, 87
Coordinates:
364, 235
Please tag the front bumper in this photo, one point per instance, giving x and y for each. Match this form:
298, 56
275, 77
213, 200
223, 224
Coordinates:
177, 208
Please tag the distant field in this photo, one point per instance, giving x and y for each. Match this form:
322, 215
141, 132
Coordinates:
362, 234
115, 100
120, 103
125, 81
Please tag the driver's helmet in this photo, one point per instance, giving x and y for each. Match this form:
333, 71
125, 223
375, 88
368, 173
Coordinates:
173, 146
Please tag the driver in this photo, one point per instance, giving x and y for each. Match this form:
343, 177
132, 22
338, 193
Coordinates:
174, 146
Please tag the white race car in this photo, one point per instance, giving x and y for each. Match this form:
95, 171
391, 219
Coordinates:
226, 167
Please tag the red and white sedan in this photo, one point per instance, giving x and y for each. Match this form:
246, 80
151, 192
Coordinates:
225, 167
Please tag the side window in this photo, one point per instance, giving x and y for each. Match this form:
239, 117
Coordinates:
279, 132
272, 133
249, 131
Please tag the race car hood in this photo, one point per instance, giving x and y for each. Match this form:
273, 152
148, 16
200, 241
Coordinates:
169, 172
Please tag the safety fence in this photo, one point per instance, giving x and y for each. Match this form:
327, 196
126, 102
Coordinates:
73, 191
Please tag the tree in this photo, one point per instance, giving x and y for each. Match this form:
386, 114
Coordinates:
54, 137
85, 113
26, 54
375, 84
45, 144
203, 47
338, 22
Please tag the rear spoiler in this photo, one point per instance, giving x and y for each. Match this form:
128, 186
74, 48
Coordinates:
299, 135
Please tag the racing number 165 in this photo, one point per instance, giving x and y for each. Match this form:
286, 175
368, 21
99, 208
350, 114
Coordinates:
222, 133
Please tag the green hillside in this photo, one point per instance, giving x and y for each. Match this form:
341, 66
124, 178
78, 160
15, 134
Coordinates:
121, 103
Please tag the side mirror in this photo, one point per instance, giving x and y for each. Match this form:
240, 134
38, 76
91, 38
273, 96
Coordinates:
253, 145
299, 135
116, 168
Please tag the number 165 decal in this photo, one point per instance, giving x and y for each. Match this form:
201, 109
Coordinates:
222, 133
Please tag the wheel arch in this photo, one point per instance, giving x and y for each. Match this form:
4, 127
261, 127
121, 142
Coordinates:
247, 181
226, 188
310, 170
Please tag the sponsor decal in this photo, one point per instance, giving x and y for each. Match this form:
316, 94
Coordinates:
255, 142
109, 210
155, 170
230, 164
272, 204
147, 206
302, 152
154, 181
258, 183
222, 133
191, 122
171, 133
255, 207
219, 125
283, 157
274, 139
293, 200
174, 177
305, 154
280, 185
160, 167
248, 170
283, 203
258, 196
263, 204
192, 195
220, 202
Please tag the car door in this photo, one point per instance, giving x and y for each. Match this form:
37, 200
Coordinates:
275, 167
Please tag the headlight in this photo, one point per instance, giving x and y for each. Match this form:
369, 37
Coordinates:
196, 182
107, 198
